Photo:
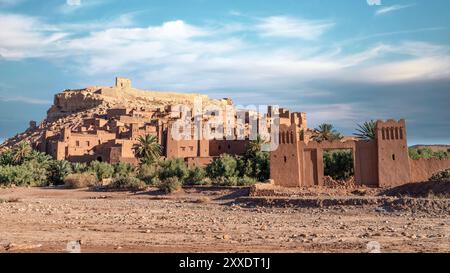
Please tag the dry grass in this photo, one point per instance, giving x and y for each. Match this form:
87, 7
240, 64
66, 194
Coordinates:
80, 180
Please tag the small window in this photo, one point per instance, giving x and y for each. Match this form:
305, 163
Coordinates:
220, 147
77, 143
393, 157
285, 159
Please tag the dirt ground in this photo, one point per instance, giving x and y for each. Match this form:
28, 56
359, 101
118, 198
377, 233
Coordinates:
204, 220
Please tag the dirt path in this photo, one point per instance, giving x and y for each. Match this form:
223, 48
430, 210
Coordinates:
44, 220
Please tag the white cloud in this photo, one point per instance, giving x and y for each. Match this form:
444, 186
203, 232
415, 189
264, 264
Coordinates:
73, 2
25, 37
289, 27
389, 9
177, 55
26, 100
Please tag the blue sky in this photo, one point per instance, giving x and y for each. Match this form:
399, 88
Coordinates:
342, 62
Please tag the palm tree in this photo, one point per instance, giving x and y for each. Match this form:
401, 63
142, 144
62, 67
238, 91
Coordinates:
326, 132
148, 150
255, 146
21, 151
366, 131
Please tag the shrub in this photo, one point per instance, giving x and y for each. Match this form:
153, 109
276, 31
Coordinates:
29, 174
80, 180
427, 153
196, 176
256, 166
123, 169
79, 167
129, 183
226, 181
441, 176
101, 169
148, 173
58, 170
6, 158
170, 185
225, 166
246, 181
338, 164
173, 168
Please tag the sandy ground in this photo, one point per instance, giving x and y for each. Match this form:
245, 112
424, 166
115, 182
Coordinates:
45, 220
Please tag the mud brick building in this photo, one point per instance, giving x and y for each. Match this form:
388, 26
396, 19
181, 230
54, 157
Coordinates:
383, 162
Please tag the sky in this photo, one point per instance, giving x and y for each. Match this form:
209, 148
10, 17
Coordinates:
341, 62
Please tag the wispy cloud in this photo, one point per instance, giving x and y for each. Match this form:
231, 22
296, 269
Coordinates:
206, 58
26, 100
389, 9
289, 27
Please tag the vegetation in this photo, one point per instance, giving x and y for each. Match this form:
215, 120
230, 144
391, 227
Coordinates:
23, 166
326, 132
170, 185
58, 170
427, 153
196, 176
147, 149
129, 183
79, 167
441, 176
80, 180
124, 170
338, 164
101, 169
173, 168
366, 131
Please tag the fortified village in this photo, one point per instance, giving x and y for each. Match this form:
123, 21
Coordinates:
103, 123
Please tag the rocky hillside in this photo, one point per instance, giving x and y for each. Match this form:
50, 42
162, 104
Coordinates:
70, 107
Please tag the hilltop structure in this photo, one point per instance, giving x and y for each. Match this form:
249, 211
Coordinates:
103, 123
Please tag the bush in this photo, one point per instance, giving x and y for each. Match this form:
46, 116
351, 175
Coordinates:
441, 176
148, 173
80, 180
123, 170
6, 158
58, 170
101, 169
223, 181
128, 183
28, 174
170, 185
79, 167
338, 164
196, 176
256, 166
225, 166
427, 153
173, 168
246, 181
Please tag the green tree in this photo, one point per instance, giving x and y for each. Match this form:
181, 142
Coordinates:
326, 132
225, 166
366, 131
59, 169
6, 157
148, 150
20, 152
102, 169
338, 164
173, 168
122, 169
255, 146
